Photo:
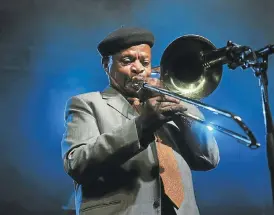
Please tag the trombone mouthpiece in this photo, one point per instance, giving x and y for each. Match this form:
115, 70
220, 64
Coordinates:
137, 84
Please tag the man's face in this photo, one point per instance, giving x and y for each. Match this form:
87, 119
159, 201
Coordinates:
134, 61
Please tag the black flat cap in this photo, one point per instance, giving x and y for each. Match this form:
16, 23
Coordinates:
124, 38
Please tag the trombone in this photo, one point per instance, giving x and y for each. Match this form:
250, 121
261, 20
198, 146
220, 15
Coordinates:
183, 74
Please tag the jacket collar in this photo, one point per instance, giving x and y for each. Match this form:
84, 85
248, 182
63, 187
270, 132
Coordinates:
118, 102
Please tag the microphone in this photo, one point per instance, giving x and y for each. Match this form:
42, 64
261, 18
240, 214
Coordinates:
231, 54
269, 49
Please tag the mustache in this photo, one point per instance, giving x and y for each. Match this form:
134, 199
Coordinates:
129, 81
133, 86
134, 90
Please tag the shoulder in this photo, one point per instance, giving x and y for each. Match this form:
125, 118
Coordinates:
96, 95
86, 97
82, 103
83, 100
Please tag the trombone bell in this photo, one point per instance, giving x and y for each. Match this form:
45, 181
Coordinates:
184, 77
182, 70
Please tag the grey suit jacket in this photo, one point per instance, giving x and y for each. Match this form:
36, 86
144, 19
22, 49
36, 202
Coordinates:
113, 174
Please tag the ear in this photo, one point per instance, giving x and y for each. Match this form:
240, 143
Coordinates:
105, 64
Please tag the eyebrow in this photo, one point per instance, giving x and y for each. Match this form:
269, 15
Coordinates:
142, 55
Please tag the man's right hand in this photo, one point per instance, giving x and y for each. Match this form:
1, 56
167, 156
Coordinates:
157, 109
161, 106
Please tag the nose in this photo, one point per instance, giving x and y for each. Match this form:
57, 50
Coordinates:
137, 68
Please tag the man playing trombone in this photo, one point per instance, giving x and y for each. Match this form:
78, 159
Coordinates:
128, 150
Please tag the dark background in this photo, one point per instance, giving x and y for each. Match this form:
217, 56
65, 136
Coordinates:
48, 53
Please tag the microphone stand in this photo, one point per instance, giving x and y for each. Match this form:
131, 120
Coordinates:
268, 122
234, 56
261, 69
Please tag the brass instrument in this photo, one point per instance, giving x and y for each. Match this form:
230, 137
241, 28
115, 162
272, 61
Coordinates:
185, 78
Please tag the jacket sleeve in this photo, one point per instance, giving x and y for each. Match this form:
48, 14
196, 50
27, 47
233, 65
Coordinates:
195, 142
87, 154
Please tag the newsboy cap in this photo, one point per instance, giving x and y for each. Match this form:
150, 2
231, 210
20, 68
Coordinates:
124, 38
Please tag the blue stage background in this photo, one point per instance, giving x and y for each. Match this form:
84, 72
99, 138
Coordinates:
48, 54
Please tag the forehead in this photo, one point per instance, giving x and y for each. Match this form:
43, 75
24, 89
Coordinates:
143, 50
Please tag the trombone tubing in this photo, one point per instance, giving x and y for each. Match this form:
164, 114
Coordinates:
251, 141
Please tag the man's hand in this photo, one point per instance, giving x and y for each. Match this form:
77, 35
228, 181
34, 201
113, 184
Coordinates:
156, 111
162, 107
158, 106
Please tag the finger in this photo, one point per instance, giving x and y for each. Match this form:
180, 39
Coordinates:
165, 104
168, 99
147, 95
168, 104
173, 108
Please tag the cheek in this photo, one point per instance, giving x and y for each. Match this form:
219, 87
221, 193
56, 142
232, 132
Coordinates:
123, 73
124, 70
148, 73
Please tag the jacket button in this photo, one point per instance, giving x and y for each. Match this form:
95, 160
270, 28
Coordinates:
156, 204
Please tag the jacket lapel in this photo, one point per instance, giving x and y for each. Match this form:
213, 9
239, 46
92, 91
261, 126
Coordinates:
118, 102
115, 100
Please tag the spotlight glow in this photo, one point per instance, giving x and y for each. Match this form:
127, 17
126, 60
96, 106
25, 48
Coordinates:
209, 128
